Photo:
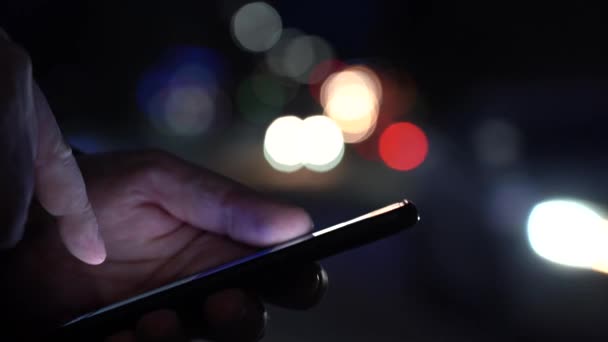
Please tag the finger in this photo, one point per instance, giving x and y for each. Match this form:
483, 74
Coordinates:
123, 336
207, 200
17, 150
296, 287
227, 315
61, 190
160, 326
234, 315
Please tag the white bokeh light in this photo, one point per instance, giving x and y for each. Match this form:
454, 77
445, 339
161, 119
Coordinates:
570, 233
283, 143
296, 55
315, 142
324, 143
256, 26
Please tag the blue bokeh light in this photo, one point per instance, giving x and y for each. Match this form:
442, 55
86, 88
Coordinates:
195, 69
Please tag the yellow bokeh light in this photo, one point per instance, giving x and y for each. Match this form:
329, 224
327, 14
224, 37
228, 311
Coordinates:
352, 99
569, 233
315, 143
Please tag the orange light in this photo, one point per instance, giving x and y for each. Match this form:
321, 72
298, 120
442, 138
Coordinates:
403, 146
352, 99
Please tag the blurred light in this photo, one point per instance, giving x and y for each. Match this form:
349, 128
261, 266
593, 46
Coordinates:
398, 100
497, 142
256, 26
180, 94
284, 143
320, 73
189, 110
296, 56
509, 202
352, 98
303, 54
261, 97
275, 57
324, 143
273, 90
570, 233
252, 108
325, 68
403, 146
315, 142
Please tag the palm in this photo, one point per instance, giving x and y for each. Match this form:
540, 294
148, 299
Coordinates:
147, 246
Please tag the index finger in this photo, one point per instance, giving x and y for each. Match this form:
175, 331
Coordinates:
61, 190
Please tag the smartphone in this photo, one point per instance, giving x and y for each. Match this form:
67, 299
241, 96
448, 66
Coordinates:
310, 247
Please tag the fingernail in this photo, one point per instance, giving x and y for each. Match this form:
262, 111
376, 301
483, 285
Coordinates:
100, 251
97, 246
82, 238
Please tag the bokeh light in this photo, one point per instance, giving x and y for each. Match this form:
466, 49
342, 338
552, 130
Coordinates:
508, 203
256, 26
324, 143
315, 142
403, 146
261, 97
275, 57
497, 142
284, 144
320, 73
352, 98
570, 233
273, 90
180, 94
296, 55
399, 99
189, 110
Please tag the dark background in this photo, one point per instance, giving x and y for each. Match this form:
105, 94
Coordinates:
467, 271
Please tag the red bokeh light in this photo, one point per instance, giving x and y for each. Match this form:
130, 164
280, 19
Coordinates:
403, 146
399, 95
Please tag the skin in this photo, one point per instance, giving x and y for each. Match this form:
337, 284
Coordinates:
37, 163
162, 219
143, 219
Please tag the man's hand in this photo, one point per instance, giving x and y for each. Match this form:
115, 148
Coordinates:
34, 158
161, 219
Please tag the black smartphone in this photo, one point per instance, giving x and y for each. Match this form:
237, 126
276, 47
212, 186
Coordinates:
310, 247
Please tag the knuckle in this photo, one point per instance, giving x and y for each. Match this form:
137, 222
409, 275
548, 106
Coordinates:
149, 168
62, 151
